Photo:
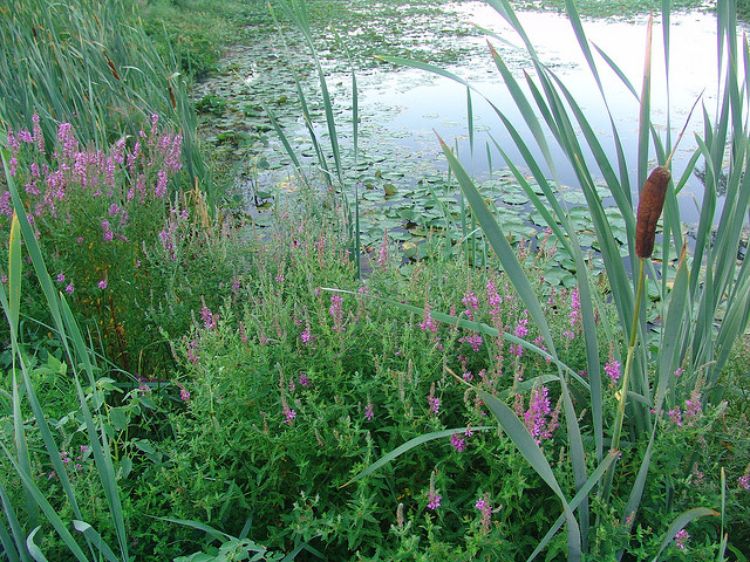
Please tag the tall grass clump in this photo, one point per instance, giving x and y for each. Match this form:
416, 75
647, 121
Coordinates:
672, 367
90, 64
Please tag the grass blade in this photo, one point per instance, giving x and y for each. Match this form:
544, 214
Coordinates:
95, 539
49, 512
580, 496
408, 446
13, 551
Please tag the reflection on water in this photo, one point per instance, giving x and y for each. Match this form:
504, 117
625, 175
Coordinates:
413, 103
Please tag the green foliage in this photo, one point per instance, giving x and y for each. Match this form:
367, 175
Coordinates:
194, 33
129, 249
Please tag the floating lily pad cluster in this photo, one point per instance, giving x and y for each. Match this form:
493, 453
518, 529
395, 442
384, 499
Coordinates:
400, 177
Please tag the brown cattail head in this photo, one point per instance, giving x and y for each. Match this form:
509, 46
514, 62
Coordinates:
649, 210
172, 98
112, 67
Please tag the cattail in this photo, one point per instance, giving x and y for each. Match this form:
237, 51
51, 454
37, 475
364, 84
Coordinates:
649, 210
172, 98
112, 68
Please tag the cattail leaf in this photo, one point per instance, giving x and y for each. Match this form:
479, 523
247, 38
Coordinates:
6, 543
672, 331
215, 534
99, 443
644, 115
580, 496
95, 539
15, 267
523, 106
287, 145
13, 546
34, 550
51, 515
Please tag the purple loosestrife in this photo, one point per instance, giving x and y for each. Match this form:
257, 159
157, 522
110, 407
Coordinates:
536, 416
337, 313
471, 302
494, 299
681, 538
575, 308
191, 351
6, 207
369, 414
433, 501
675, 414
184, 394
522, 328
473, 340
305, 337
433, 498
744, 481
107, 233
433, 401
161, 184
459, 443
428, 324
485, 508
289, 415
612, 369
38, 136
693, 406
209, 318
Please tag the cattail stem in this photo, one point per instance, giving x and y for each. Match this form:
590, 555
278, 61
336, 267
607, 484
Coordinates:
629, 359
620, 414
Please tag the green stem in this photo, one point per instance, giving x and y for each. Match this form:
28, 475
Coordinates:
629, 360
620, 415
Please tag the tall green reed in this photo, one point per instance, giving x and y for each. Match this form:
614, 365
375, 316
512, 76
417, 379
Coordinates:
91, 64
296, 12
703, 300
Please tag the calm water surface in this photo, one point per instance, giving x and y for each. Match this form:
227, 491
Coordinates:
408, 105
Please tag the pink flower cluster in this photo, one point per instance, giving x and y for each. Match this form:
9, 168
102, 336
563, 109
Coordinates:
485, 508
75, 169
693, 410
539, 418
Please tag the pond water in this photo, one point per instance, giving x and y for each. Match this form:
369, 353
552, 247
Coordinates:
416, 104
401, 169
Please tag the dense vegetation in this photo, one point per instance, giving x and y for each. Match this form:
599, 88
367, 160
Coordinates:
183, 381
